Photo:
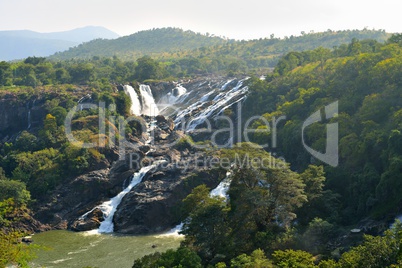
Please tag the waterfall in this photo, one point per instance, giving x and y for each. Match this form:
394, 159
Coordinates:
29, 118
223, 187
175, 231
29, 114
176, 95
135, 102
148, 102
220, 191
222, 100
208, 101
108, 208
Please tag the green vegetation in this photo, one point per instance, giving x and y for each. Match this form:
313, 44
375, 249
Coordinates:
42, 157
142, 43
172, 55
13, 200
366, 83
256, 227
186, 52
12, 251
289, 214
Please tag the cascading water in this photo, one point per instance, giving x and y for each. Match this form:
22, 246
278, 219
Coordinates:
135, 102
29, 119
223, 187
222, 101
148, 106
108, 208
196, 107
29, 114
174, 96
220, 191
203, 105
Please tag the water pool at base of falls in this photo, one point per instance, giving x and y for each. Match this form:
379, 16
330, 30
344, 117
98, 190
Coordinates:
71, 249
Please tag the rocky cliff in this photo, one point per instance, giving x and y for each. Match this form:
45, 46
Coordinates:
152, 206
17, 115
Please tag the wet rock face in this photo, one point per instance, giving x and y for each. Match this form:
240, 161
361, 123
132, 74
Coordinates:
165, 124
89, 222
78, 196
152, 206
14, 115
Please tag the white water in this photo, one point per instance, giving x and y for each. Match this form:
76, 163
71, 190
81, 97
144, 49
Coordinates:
200, 107
148, 102
108, 208
174, 232
221, 101
220, 191
135, 102
223, 187
399, 218
176, 95
173, 96
29, 118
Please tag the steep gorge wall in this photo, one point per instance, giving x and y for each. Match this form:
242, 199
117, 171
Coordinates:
15, 115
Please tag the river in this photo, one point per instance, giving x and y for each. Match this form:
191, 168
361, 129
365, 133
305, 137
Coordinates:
71, 249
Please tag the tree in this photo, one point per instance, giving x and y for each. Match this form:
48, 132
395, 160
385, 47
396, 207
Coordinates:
256, 259
293, 259
266, 194
5, 73
376, 251
2, 174
206, 228
15, 190
395, 39
147, 68
12, 251
26, 142
123, 104
62, 76
60, 113
82, 73
180, 258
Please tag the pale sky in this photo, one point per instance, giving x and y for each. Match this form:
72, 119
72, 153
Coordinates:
234, 19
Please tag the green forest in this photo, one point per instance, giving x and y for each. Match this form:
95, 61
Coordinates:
365, 78
299, 215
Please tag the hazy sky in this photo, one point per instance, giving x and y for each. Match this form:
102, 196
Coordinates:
234, 19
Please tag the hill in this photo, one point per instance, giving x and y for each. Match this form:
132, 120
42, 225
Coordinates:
141, 43
24, 43
170, 44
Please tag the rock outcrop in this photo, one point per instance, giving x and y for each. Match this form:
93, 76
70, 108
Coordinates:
16, 115
152, 206
89, 222
81, 194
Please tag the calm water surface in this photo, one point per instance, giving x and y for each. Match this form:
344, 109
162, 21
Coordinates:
70, 249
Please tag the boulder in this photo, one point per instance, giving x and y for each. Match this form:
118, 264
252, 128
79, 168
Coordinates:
89, 222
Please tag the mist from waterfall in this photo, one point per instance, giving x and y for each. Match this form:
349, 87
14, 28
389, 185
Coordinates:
174, 96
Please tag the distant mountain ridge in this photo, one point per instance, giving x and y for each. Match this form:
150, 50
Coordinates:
143, 42
24, 43
170, 44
